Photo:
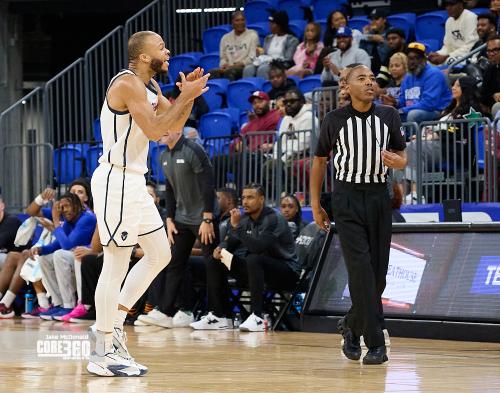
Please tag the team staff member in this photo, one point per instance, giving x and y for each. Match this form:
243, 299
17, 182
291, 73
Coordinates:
365, 139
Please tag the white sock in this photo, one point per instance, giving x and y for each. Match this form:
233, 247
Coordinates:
43, 300
8, 299
78, 277
104, 343
120, 318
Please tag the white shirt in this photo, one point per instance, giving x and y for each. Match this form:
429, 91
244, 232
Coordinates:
460, 36
277, 46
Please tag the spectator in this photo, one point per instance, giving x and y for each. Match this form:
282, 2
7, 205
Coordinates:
263, 118
237, 49
279, 45
307, 53
486, 29
9, 225
279, 82
398, 67
495, 10
397, 43
57, 259
460, 33
347, 54
374, 39
424, 91
490, 90
292, 211
271, 260
81, 188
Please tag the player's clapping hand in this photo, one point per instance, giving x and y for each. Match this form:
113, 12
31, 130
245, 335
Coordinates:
194, 88
196, 74
393, 160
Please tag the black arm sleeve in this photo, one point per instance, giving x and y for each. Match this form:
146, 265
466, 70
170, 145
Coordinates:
170, 201
397, 133
265, 240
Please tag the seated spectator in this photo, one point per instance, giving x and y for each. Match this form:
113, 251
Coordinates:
279, 82
279, 45
270, 261
237, 49
307, 53
490, 90
396, 42
460, 33
424, 90
398, 67
9, 225
374, 39
292, 211
347, 54
263, 118
57, 259
495, 10
335, 20
486, 29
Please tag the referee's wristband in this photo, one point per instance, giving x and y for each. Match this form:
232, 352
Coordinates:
40, 201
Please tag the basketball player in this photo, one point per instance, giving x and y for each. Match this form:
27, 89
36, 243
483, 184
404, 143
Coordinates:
366, 139
134, 112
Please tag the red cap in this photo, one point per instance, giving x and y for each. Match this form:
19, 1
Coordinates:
259, 94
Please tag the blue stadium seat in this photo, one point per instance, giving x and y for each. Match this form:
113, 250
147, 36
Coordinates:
298, 26
209, 61
97, 130
186, 62
358, 22
431, 45
243, 118
294, 8
322, 23
267, 86
430, 26
405, 21
155, 151
83, 147
212, 37
166, 88
257, 11
92, 158
235, 116
68, 164
262, 29
216, 93
478, 11
239, 91
216, 147
322, 8
309, 83
215, 124
479, 141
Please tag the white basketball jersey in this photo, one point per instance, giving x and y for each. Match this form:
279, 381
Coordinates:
124, 143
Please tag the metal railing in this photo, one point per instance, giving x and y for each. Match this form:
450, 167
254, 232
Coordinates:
324, 100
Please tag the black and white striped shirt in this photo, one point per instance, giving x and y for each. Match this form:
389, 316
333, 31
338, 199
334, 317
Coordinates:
357, 139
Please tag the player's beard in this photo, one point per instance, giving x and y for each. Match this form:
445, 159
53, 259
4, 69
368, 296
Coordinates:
156, 66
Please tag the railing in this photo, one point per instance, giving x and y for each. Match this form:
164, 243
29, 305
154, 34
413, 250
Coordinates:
324, 100
467, 56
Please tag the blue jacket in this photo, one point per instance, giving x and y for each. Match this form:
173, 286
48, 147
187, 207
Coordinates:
427, 91
72, 234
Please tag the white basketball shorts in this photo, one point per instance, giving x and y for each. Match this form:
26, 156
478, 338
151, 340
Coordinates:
122, 205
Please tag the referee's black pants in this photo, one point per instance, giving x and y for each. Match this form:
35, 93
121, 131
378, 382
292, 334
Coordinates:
362, 214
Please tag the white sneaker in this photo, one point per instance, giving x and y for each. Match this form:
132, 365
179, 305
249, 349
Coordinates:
156, 317
119, 340
252, 324
210, 322
111, 365
182, 319
143, 317
138, 322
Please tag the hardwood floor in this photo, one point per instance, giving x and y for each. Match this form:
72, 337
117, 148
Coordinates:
182, 360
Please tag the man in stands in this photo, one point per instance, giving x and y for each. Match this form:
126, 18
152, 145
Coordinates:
374, 39
486, 29
270, 260
424, 90
347, 54
279, 82
490, 90
237, 49
460, 33
396, 42
9, 225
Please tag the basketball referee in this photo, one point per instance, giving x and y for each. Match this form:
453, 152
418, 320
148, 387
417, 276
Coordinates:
365, 140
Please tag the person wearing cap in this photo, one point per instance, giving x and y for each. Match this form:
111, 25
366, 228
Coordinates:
237, 49
280, 45
396, 41
424, 90
347, 54
374, 38
460, 33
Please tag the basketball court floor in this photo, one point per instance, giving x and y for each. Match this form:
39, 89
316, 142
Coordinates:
182, 360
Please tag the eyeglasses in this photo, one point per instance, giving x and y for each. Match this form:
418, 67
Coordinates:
290, 101
493, 50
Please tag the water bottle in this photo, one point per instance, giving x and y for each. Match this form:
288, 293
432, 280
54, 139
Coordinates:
29, 299
237, 320
267, 322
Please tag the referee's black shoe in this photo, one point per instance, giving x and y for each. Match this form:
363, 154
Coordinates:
351, 346
376, 355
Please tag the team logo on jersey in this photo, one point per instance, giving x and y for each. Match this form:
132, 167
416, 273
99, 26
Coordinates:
124, 235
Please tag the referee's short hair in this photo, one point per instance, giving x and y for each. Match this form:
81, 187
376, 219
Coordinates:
255, 186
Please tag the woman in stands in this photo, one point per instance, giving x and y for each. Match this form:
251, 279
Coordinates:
398, 67
307, 53
290, 209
